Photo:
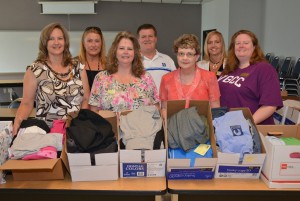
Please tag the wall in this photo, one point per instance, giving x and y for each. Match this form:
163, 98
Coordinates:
215, 15
20, 48
246, 14
171, 20
282, 28
275, 22
229, 16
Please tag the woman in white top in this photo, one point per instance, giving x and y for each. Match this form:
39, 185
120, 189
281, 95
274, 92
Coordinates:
214, 53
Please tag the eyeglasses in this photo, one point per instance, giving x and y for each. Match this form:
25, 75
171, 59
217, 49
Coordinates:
188, 55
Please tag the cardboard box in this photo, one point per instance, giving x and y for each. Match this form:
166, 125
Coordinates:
280, 170
292, 116
35, 170
203, 167
142, 163
228, 165
106, 164
289, 114
279, 115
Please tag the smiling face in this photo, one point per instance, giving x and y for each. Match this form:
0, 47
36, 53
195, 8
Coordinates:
56, 42
147, 40
125, 51
92, 44
214, 45
187, 58
243, 47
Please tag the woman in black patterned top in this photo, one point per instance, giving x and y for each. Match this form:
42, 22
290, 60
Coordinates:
92, 52
55, 81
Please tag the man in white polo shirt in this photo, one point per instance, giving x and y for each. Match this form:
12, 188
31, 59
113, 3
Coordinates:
156, 63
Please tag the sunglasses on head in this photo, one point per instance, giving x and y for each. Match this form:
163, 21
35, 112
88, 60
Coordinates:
93, 28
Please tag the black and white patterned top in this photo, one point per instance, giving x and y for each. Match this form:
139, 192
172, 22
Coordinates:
55, 98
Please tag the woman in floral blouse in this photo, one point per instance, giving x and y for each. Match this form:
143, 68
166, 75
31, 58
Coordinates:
124, 85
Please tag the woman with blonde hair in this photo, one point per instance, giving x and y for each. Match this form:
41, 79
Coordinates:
214, 58
92, 52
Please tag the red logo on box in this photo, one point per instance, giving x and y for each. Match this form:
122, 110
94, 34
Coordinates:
284, 166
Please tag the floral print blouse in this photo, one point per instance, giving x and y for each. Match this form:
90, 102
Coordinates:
108, 94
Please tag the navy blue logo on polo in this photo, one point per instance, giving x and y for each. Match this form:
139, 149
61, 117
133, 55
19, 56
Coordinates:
164, 64
236, 130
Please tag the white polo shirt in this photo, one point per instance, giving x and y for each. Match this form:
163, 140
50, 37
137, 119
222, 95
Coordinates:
160, 65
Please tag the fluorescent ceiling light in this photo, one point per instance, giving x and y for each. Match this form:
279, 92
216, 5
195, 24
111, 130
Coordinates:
68, 7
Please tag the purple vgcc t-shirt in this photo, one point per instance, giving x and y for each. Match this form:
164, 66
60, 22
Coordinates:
251, 87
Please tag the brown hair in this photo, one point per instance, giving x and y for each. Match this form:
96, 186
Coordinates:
232, 63
209, 35
137, 64
187, 41
44, 38
82, 54
146, 26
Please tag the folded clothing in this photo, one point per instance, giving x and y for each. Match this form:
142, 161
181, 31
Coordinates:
187, 129
140, 126
90, 133
44, 153
233, 133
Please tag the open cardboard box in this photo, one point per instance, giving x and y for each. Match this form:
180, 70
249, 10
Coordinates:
77, 164
35, 170
106, 164
289, 114
280, 169
228, 165
142, 163
203, 168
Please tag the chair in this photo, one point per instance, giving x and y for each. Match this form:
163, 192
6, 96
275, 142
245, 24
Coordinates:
275, 62
15, 103
292, 82
269, 56
285, 68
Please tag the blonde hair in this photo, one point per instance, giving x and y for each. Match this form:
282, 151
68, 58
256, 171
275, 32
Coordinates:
82, 53
209, 35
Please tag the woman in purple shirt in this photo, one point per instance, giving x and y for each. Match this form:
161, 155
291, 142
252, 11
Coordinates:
248, 80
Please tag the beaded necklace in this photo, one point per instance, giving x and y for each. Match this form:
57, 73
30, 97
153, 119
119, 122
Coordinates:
215, 65
62, 75
90, 67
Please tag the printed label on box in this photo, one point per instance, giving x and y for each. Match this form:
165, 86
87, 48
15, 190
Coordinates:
155, 169
134, 169
238, 171
289, 169
202, 173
